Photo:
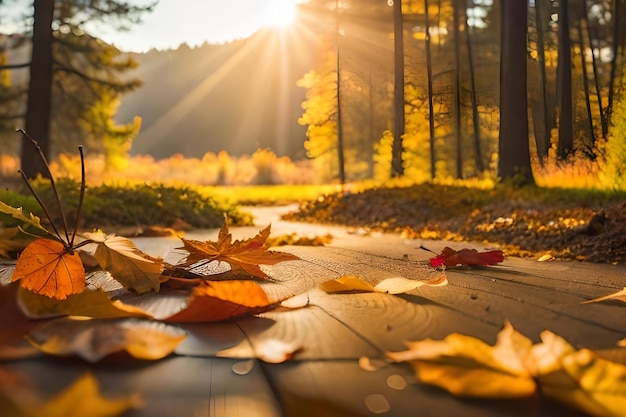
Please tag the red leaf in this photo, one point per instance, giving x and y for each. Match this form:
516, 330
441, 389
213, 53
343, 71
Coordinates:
468, 257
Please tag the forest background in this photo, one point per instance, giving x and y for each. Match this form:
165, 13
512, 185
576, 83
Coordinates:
340, 97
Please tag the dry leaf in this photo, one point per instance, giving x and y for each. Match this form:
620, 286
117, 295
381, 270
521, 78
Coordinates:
18, 213
297, 301
129, 266
48, 268
622, 342
467, 366
93, 339
619, 295
83, 398
469, 257
395, 285
243, 256
222, 300
579, 378
95, 304
7, 244
400, 285
347, 283
274, 350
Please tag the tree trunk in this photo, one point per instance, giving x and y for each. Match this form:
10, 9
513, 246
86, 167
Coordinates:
39, 101
594, 63
583, 63
456, 21
431, 115
543, 138
340, 153
617, 10
513, 147
478, 156
564, 79
397, 167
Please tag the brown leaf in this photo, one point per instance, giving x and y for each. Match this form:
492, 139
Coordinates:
93, 339
129, 266
48, 268
222, 300
243, 256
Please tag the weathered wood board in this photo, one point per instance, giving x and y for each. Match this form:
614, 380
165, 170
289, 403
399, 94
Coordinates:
214, 371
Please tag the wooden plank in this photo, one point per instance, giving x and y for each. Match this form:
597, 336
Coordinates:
343, 389
178, 386
315, 334
389, 321
531, 309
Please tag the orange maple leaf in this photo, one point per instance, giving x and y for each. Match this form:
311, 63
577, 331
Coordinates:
222, 300
49, 268
243, 256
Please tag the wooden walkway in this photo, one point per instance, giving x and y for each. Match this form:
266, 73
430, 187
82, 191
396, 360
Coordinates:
334, 331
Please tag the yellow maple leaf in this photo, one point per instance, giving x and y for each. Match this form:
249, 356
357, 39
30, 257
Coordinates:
579, 378
467, 366
83, 398
242, 256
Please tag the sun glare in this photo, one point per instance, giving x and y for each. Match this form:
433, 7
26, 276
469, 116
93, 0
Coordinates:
280, 13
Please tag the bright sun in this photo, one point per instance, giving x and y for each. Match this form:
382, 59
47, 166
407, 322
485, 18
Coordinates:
280, 13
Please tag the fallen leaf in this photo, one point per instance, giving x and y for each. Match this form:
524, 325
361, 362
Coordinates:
89, 303
346, 283
49, 268
466, 366
622, 342
243, 256
400, 285
274, 350
93, 339
544, 258
222, 300
129, 266
394, 285
371, 364
468, 257
619, 295
13, 326
7, 244
579, 378
297, 301
83, 398
18, 214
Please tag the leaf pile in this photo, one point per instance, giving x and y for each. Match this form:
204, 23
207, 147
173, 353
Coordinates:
570, 224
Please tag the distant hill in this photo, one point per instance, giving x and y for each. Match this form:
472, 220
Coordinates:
235, 97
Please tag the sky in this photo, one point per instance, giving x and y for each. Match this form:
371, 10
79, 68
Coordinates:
185, 21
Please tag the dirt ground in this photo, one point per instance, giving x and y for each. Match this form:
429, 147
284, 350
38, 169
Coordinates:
574, 225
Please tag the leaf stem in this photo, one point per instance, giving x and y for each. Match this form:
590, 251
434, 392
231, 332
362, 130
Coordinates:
41, 204
82, 194
52, 184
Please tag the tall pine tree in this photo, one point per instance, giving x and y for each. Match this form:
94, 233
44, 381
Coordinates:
71, 72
